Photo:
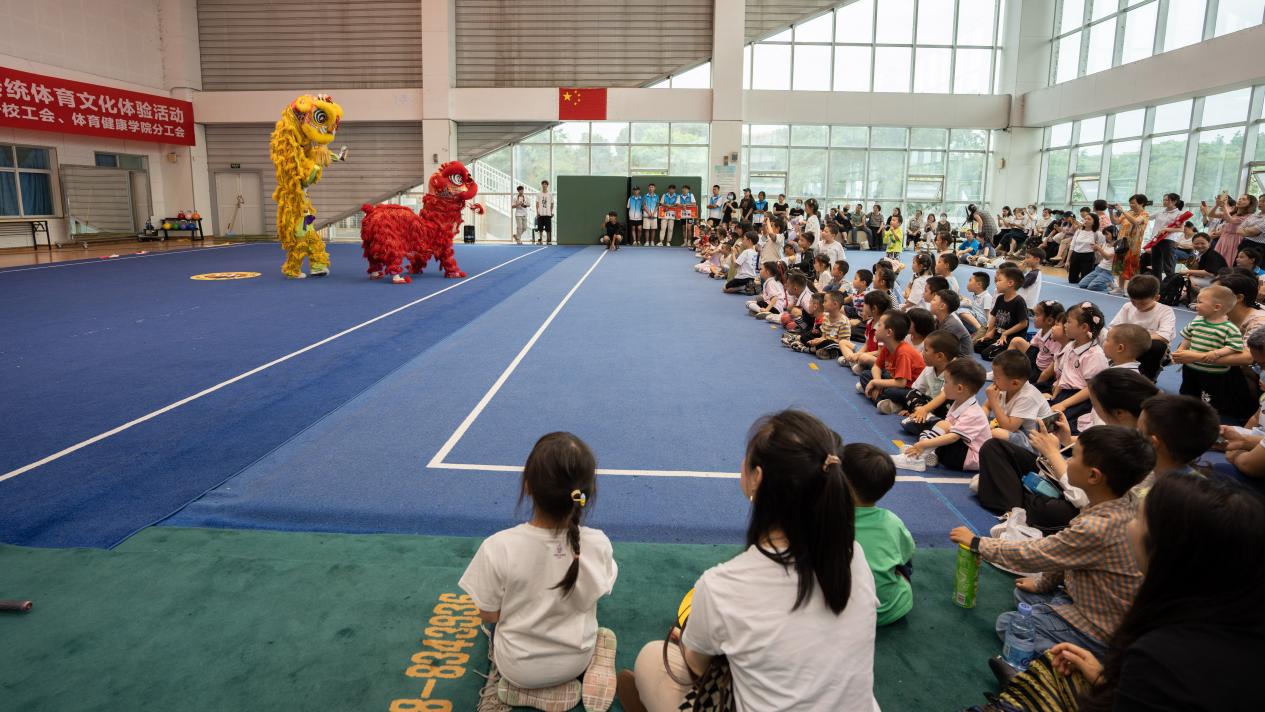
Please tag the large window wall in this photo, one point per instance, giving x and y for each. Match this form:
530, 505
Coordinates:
1093, 35
699, 77
1194, 147
934, 46
916, 168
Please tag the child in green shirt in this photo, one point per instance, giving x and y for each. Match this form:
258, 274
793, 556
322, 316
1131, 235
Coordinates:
888, 546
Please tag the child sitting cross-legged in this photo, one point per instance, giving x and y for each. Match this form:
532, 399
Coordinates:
924, 401
1081, 360
897, 363
772, 294
955, 441
1207, 338
885, 282
821, 268
873, 305
539, 584
832, 329
1086, 577
974, 312
888, 546
862, 280
799, 303
1043, 348
1012, 401
745, 267
1008, 317
944, 305
807, 326
921, 323
1125, 345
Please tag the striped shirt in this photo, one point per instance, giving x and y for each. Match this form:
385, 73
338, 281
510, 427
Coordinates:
1204, 336
836, 329
1091, 558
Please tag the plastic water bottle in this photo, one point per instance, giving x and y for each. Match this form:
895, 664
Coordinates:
1021, 639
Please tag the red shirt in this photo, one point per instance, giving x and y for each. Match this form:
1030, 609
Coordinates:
870, 343
906, 363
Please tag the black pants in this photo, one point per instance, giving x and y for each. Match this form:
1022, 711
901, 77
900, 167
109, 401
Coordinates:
1075, 412
1002, 465
1163, 261
1033, 372
1149, 362
737, 283
953, 455
1080, 264
1227, 392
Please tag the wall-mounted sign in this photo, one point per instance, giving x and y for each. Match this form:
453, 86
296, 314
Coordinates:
41, 103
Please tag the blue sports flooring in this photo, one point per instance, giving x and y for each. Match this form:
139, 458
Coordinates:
660, 372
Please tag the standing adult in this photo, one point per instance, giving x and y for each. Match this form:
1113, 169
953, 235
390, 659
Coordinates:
544, 213
812, 222
1231, 219
857, 218
635, 215
874, 224
715, 207
1252, 229
649, 215
746, 207
687, 223
520, 205
1132, 225
984, 223
781, 207
730, 206
1163, 259
667, 221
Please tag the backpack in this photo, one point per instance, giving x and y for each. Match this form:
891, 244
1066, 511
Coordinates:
1173, 291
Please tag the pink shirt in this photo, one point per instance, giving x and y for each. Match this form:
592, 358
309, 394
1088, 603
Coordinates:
968, 421
1047, 349
1079, 364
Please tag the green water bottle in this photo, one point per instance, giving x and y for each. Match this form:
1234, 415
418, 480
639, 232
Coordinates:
966, 578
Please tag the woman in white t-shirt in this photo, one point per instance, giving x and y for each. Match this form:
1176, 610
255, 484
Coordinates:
795, 613
540, 582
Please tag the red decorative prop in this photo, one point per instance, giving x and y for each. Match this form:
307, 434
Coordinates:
580, 104
41, 103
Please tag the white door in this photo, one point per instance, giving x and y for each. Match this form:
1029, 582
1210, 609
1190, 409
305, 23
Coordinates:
239, 206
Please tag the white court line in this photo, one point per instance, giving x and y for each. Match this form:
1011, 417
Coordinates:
91, 261
223, 384
675, 473
457, 434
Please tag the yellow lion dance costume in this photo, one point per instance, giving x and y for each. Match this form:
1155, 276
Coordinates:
300, 151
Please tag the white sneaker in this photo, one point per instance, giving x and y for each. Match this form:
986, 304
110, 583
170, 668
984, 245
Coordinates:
887, 406
858, 369
906, 462
842, 361
860, 389
974, 486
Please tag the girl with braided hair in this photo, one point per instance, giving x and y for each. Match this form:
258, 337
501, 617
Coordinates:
539, 583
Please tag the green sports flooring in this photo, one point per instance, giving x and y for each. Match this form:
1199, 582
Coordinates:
252, 620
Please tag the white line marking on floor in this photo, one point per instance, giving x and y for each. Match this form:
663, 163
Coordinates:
457, 434
90, 261
673, 473
223, 384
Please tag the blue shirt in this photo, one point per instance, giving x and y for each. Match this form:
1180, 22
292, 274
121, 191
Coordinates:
671, 198
650, 201
687, 199
634, 203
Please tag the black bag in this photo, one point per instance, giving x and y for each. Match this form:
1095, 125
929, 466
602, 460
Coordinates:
1173, 290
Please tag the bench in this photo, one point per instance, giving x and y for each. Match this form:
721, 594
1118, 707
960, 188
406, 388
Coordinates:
11, 228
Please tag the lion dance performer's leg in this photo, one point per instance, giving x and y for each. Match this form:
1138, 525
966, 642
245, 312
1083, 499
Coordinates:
447, 260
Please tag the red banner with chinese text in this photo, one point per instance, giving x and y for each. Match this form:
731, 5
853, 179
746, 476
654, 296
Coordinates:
41, 103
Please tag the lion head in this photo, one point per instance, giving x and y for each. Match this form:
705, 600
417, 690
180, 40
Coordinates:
453, 180
317, 117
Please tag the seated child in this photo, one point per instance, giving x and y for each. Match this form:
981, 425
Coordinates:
811, 325
1125, 343
955, 441
915, 292
873, 305
885, 281
1050, 374
789, 257
921, 323
944, 305
922, 398
1042, 350
838, 283
945, 264
1009, 316
799, 303
821, 268
1086, 577
712, 256
897, 364
969, 248
772, 294
974, 311
1081, 360
540, 582
745, 274
806, 258
1030, 290
1145, 310
830, 332
1209, 337
862, 282
1012, 401
888, 546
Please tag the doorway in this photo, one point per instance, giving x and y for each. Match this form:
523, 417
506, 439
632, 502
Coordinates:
239, 208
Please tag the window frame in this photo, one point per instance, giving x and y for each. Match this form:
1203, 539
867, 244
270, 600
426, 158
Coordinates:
54, 186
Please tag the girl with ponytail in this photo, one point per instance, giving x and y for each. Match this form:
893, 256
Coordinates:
773, 294
795, 613
539, 583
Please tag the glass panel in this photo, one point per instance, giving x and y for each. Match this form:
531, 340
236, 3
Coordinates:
32, 158
931, 71
1069, 58
971, 73
770, 135
895, 22
887, 175
1235, 15
818, 29
812, 68
767, 159
925, 189
889, 137
690, 133
1056, 164
849, 136
807, 176
928, 138
1228, 108
499, 159
852, 68
531, 164
1164, 167
571, 132
1092, 130
1172, 117
847, 172
810, 135
1089, 159
855, 22
538, 137
935, 22
891, 69
1217, 162
37, 193
746, 67
1129, 123
771, 67
648, 160
975, 22
926, 163
610, 160
690, 161
1102, 43
6, 156
970, 139
107, 160
1139, 33
771, 185
1103, 8
699, 77
1061, 134
1122, 171
783, 36
610, 132
965, 176
1185, 24
132, 163
1073, 15
649, 133
8, 193
1084, 190
662, 84
570, 160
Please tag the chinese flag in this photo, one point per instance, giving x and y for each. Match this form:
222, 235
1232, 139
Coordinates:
581, 104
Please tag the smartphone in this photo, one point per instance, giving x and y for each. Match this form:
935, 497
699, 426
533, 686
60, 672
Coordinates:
1050, 422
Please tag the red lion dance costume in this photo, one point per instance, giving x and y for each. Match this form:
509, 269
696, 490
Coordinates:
390, 233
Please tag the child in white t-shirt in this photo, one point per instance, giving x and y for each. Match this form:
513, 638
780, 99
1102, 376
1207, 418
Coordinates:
539, 584
1015, 403
979, 302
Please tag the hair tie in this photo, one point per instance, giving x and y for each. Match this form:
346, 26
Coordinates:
579, 497
830, 460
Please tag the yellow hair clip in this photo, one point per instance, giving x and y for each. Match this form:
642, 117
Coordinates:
579, 497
